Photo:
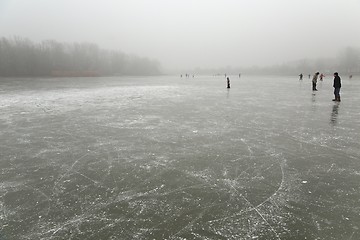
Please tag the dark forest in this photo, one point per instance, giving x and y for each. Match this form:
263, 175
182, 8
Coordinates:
20, 57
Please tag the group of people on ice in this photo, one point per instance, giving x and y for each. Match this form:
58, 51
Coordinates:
336, 84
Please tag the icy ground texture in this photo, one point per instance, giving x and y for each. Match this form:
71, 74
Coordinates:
176, 158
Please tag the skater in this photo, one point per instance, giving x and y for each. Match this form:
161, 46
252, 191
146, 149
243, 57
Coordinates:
314, 81
321, 77
301, 76
228, 82
337, 86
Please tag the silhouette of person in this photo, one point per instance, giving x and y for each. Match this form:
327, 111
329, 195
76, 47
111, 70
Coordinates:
337, 86
228, 82
314, 81
301, 76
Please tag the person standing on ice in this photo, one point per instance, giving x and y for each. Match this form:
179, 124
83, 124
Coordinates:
228, 82
301, 76
314, 81
337, 86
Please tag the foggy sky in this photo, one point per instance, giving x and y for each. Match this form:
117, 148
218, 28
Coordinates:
193, 33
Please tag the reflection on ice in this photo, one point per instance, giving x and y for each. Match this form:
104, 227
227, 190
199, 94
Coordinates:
334, 114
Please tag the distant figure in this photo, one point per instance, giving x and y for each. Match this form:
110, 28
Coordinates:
181, 75
350, 76
301, 76
193, 75
314, 81
309, 76
337, 86
228, 82
239, 75
321, 77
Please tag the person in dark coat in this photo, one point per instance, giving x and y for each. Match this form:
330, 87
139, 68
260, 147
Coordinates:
228, 82
337, 86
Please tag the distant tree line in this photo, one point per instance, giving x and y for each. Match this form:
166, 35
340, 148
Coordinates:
22, 57
347, 62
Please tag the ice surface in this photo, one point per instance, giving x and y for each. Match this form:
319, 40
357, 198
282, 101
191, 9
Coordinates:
175, 158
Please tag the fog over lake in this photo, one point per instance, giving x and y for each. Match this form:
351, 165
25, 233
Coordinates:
179, 119
185, 34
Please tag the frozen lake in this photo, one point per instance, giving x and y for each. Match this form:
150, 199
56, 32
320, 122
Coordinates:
179, 158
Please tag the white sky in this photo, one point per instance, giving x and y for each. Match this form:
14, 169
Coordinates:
193, 33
